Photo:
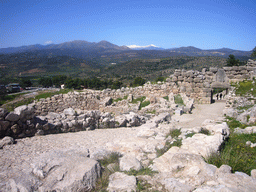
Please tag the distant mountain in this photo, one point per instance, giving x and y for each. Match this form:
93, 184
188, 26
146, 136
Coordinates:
224, 52
84, 46
85, 49
147, 47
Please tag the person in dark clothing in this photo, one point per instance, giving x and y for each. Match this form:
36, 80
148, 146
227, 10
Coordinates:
217, 96
220, 96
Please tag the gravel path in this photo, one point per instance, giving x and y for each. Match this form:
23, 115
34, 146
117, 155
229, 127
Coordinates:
200, 113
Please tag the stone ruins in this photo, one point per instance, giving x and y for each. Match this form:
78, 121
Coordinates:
37, 162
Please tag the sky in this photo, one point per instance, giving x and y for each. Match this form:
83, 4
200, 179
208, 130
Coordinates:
205, 24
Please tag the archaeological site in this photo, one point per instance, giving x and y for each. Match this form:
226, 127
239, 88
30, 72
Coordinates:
155, 137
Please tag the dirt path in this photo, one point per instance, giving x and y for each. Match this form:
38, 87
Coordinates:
200, 113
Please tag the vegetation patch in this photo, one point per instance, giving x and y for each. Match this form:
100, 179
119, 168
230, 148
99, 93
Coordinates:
168, 145
152, 112
245, 107
140, 99
166, 98
174, 133
144, 104
118, 99
112, 158
205, 131
178, 100
233, 123
102, 182
142, 185
236, 154
7, 98
190, 134
245, 88
143, 171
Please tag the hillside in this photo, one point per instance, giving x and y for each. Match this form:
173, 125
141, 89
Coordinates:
105, 60
150, 69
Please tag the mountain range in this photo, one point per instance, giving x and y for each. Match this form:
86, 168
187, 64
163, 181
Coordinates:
106, 60
85, 49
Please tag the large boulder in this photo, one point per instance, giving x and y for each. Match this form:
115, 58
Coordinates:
60, 170
12, 117
66, 171
129, 162
120, 182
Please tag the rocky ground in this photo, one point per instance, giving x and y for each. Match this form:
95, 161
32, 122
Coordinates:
67, 161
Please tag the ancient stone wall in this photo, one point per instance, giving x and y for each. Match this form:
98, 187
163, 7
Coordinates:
196, 85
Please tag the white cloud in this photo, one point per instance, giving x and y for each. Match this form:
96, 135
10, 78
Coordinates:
137, 46
48, 42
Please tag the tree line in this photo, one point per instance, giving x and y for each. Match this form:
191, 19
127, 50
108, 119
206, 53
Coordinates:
77, 83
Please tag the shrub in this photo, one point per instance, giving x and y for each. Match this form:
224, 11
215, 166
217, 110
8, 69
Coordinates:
112, 158
174, 133
166, 98
144, 104
190, 134
205, 131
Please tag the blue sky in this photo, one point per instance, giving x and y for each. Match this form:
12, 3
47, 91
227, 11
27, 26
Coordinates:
206, 24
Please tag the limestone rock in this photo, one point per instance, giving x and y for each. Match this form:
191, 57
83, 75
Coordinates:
6, 141
69, 111
107, 101
172, 184
230, 112
129, 162
202, 144
120, 182
66, 171
12, 117
100, 154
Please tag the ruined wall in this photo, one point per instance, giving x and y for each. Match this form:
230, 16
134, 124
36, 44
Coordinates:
196, 85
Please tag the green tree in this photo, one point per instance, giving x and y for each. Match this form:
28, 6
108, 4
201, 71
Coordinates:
45, 81
59, 80
25, 83
232, 61
253, 52
138, 81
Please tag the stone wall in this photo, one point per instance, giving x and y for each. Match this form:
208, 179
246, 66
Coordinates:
197, 85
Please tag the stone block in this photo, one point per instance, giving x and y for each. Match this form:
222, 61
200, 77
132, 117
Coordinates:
213, 69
